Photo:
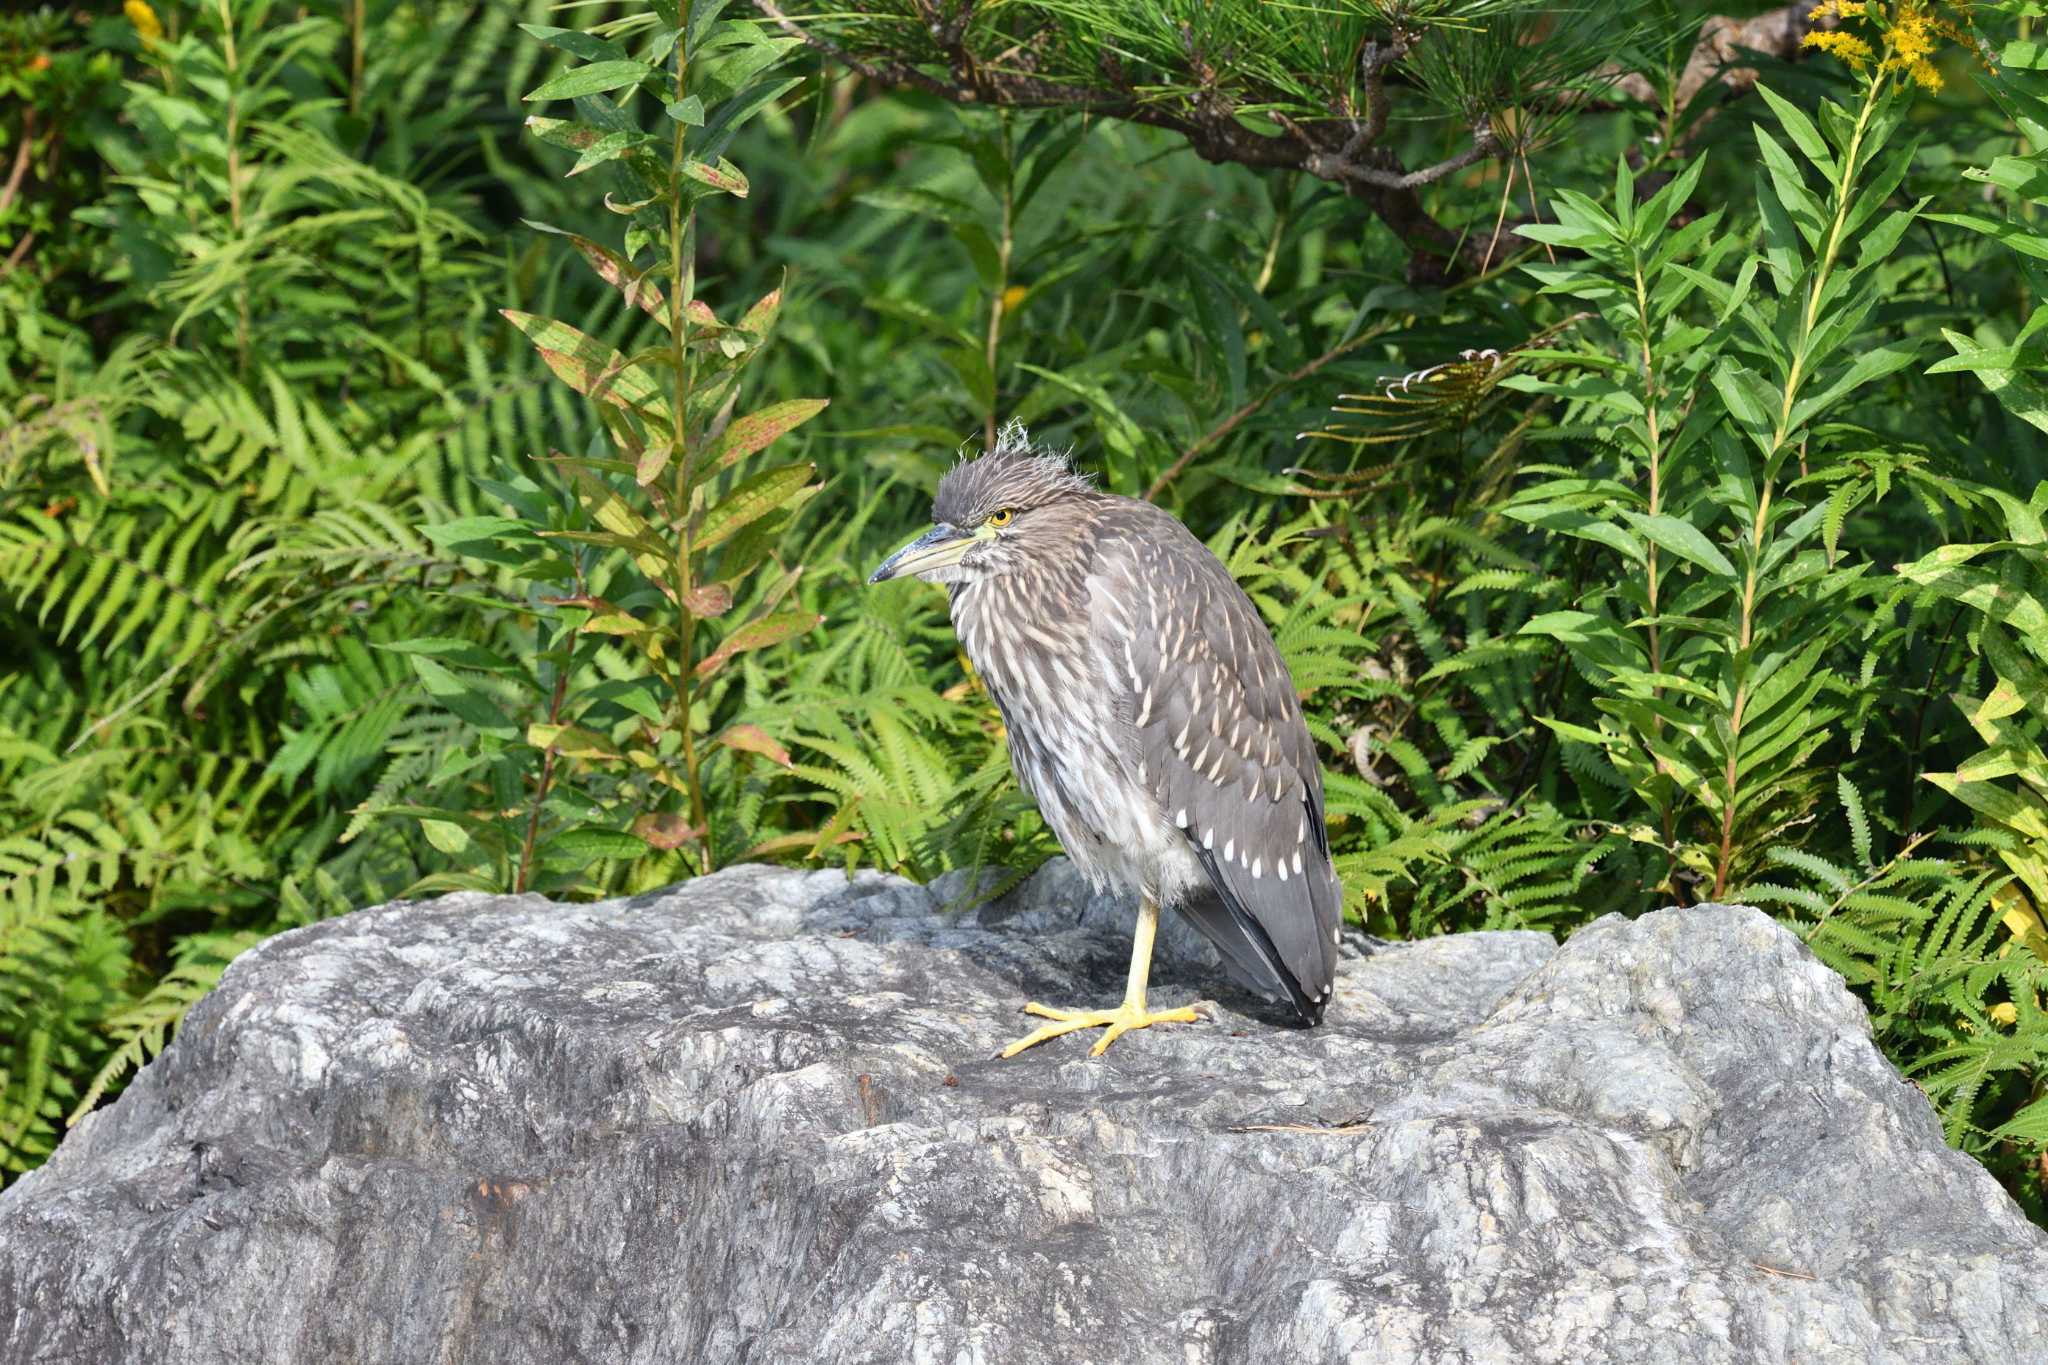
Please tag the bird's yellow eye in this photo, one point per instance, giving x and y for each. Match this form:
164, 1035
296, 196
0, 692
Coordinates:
1000, 519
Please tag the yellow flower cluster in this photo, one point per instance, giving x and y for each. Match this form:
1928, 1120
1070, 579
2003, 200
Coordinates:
1911, 34
1847, 46
147, 26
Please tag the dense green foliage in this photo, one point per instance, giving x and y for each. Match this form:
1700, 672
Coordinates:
416, 471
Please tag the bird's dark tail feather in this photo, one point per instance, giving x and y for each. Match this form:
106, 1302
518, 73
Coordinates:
1247, 949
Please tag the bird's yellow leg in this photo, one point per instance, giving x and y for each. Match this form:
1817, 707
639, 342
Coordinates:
1130, 1015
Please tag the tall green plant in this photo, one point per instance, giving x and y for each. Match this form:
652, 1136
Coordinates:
673, 548
1711, 659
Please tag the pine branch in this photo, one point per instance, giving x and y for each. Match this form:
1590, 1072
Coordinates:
1345, 150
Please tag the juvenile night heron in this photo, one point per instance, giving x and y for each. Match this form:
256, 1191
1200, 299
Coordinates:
1149, 714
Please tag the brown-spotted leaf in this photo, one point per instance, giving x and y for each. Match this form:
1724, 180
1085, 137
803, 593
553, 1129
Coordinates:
591, 367
745, 435
761, 316
724, 176
666, 830
769, 630
605, 505
613, 513
561, 132
754, 740
709, 599
652, 462
750, 500
612, 268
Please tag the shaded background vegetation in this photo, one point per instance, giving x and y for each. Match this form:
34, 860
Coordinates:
1640, 467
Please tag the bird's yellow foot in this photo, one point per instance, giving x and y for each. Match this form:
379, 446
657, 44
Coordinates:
1117, 1022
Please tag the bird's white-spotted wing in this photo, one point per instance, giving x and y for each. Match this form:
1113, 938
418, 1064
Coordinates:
1221, 744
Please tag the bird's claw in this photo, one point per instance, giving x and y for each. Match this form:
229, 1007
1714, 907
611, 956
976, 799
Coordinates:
1115, 1023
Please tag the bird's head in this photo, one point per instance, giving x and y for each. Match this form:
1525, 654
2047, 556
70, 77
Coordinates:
991, 512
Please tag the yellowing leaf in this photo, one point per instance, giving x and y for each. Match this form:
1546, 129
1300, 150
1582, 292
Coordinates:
666, 830
613, 269
605, 619
2022, 920
754, 740
754, 431
574, 741
590, 367
761, 317
750, 501
724, 176
769, 630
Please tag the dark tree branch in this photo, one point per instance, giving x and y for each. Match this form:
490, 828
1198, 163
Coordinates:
1346, 151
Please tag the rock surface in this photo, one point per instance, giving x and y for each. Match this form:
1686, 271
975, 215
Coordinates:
756, 1119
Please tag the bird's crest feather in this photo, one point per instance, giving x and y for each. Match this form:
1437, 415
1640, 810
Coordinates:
1013, 473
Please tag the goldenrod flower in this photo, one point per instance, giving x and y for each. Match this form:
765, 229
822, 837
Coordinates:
1848, 47
147, 26
1013, 296
1911, 34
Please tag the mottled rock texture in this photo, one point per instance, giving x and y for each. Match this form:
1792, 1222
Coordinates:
756, 1119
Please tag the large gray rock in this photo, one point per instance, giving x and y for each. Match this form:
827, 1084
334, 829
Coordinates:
757, 1119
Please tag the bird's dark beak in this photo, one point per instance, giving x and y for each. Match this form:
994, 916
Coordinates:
938, 548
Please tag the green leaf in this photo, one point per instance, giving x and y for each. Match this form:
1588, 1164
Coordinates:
445, 835
1873, 364
1683, 539
1805, 210
564, 133
2002, 601
459, 653
1859, 823
1800, 129
610, 147
582, 845
2018, 236
593, 79
588, 46
2016, 812
1748, 396
1781, 237
2028, 1125
945, 208
2016, 376
626, 528
465, 701
1584, 525
688, 111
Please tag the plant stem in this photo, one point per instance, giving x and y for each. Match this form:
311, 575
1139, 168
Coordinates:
234, 85
547, 778
682, 277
